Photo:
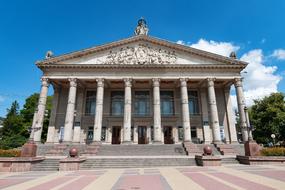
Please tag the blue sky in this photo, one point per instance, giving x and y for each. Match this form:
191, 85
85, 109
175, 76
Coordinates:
29, 28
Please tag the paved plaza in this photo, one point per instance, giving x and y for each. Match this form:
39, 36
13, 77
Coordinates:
219, 178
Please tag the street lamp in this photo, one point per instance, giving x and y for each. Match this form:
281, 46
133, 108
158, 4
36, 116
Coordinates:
249, 132
273, 137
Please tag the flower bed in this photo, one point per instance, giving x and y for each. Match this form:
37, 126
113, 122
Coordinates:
274, 151
10, 153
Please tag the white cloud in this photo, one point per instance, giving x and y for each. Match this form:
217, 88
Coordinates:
279, 54
2, 99
263, 40
221, 48
259, 80
181, 42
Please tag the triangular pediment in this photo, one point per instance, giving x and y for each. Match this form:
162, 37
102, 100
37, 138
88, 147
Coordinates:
141, 50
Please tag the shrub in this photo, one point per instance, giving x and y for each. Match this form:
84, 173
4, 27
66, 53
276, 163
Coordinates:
274, 151
10, 153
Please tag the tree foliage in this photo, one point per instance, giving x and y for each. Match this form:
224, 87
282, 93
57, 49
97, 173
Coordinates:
268, 117
15, 130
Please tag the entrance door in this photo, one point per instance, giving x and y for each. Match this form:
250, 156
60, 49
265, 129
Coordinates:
116, 135
168, 135
142, 137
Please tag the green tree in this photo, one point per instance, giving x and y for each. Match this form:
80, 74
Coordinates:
15, 130
12, 133
29, 109
268, 117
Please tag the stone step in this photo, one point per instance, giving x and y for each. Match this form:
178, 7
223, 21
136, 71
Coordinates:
229, 161
47, 165
135, 162
140, 150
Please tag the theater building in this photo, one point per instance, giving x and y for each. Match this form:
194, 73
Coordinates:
140, 90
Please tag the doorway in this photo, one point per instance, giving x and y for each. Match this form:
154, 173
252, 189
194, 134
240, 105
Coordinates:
167, 131
116, 135
142, 135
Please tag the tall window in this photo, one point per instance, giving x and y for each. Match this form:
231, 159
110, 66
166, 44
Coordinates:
142, 103
193, 102
90, 107
117, 99
167, 103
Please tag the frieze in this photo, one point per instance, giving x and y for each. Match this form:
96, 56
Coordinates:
141, 54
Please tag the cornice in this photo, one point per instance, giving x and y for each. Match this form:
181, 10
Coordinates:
128, 66
144, 38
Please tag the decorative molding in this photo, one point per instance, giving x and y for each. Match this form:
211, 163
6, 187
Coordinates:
210, 82
45, 82
183, 82
238, 82
100, 82
144, 38
141, 54
128, 82
73, 82
155, 82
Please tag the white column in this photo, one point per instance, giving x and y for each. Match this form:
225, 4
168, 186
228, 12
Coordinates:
214, 112
127, 111
205, 114
156, 111
185, 110
99, 110
230, 117
69, 118
136, 137
241, 105
51, 127
38, 125
77, 131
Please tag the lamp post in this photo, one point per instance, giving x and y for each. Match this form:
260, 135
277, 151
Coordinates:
249, 131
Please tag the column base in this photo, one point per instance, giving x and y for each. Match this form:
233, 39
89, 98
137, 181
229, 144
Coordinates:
157, 142
96, 143
66, 142
218, 142
251, 148
127, 142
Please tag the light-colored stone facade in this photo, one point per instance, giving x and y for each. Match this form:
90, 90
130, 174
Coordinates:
141, 64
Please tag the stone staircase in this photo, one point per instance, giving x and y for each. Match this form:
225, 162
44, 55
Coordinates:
230, 149
229, 160
47, 165
197, 149
136, 162
141, 150
90, 150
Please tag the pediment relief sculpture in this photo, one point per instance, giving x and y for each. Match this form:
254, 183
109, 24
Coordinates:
141, 54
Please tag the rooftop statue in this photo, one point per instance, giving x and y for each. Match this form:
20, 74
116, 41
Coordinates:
141, 28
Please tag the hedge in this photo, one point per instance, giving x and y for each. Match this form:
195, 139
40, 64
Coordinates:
10, 153
274, 151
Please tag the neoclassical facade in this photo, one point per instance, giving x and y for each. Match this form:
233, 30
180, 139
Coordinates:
140, 90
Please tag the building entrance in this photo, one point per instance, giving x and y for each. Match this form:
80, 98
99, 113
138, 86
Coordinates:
142, 135
167, 131
116, 135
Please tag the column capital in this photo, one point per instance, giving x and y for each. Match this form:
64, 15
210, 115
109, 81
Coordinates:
238, 82
155, 82
183, 82
211, 81
45, 81
73, 82
128, 82
100, 82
